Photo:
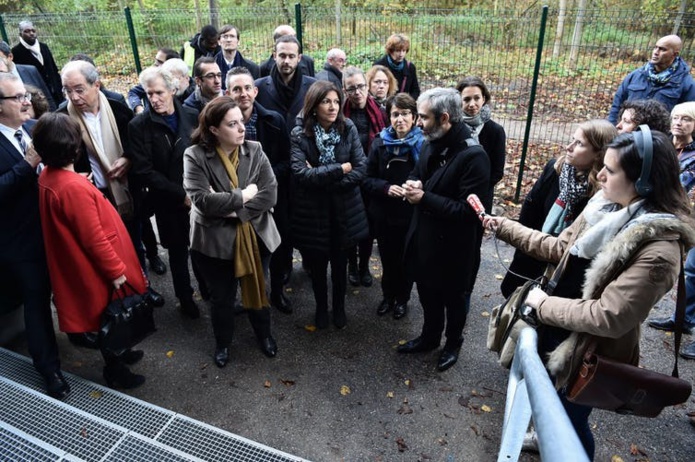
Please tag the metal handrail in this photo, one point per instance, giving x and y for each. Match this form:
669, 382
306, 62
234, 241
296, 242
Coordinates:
530, 393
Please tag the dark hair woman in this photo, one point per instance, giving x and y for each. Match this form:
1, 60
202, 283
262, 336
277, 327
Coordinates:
392, 156
82, 231
623, 253
232, 188
491, 136
328, 215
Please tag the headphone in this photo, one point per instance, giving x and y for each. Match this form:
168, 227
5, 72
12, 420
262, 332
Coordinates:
645, 149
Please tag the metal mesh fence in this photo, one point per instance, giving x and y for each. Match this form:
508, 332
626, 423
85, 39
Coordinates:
585, 53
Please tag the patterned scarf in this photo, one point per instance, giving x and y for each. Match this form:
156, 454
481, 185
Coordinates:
660, 78
476, 122
326, 143
402, 146
573, 188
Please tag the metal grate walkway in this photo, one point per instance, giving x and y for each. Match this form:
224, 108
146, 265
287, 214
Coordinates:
96, 423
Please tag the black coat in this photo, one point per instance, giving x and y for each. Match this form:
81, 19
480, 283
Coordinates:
534, 210
443, 242
331, 74
269, 98
30, 75
48, 70
253, 68
157, 155
383, 170
407, 78
494, 140
326, 202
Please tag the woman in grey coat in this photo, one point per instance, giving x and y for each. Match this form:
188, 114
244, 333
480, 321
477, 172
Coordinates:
232, 188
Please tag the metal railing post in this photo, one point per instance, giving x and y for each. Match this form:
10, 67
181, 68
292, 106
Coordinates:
298, 24
133, 41
2, 30
532, 100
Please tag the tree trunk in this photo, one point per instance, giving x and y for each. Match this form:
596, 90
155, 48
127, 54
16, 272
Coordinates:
560, 30
679, 18
214, 13
577, 36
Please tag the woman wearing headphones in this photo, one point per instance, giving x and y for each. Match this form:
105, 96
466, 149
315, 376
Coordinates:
622, 255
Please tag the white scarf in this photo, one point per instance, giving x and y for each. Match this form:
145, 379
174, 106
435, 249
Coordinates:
35, 49
605, 219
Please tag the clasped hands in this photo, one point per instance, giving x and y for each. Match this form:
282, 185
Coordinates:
411, 191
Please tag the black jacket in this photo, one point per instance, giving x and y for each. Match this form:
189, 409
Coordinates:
326, 202
331, 74
268, 98
443, 242
494, 140
383, 170
199, 50
407, 78
157, 155
48, 70
239, 61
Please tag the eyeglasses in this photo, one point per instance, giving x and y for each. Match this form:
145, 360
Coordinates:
396, 114
356, 88
212, 76
19, 98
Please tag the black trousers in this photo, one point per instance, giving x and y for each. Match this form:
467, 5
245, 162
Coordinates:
219, 278
180, 275
448, 305
395, 283
31, 279
318, 264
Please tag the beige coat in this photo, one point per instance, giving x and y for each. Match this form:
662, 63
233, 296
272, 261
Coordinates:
624, 281
206, 182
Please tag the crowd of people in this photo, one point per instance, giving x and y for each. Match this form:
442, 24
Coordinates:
241, 163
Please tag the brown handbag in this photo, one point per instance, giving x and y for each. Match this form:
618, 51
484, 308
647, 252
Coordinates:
607, 384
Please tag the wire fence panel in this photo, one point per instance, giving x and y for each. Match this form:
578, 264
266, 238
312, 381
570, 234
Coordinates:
586, 54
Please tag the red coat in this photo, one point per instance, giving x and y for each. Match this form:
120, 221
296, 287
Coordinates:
87, 247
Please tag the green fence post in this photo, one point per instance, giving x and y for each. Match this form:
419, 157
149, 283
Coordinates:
531, 101
298, 21
2, 30
133, 41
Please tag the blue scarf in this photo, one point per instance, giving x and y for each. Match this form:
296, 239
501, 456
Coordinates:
664, 76
394, 66
326, 143
402, 146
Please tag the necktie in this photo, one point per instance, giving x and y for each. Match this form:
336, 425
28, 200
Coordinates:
19, 136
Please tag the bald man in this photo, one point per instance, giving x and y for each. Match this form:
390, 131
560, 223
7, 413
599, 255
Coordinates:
665, 78
306, 62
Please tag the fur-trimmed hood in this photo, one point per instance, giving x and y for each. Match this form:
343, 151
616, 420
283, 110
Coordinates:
605, 267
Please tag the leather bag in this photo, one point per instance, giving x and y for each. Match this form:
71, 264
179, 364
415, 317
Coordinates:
126, 321
607, 384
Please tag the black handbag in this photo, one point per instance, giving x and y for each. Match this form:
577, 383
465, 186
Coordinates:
604, 383
126, 321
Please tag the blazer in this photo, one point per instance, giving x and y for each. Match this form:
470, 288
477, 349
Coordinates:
20, 231
87, 246
206, 182
48, 70
30, 75
268, 98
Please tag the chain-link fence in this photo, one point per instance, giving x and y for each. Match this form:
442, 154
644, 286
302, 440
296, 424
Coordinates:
585, 54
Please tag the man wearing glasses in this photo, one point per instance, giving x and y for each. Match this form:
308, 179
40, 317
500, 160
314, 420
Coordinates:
208, 80
230, 56
23, 270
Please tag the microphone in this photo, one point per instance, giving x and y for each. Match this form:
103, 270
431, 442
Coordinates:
476, 205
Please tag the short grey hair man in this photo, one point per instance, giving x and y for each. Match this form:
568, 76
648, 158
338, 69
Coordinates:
180, 71
443, 100
151, 74
85, 68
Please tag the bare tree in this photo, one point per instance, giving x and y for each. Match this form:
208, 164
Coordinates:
577, 36
560, 30
679, 17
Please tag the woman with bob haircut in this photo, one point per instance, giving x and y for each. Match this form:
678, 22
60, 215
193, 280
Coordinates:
232, 188
328, 216
83, 232
622, 254
381, 83
397, 47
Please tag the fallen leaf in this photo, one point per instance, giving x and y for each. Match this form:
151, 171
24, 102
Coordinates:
310, 328
617, 458
96, 394
402, 342
441, 441
475, 430
267, 384
389, 394
288, 289
485, 408
356, 292
636, 451
464, 400
170, 354
408, 383
485, 314
499, 277
83, 432
401, 444
287, 383
404, 409
345, 390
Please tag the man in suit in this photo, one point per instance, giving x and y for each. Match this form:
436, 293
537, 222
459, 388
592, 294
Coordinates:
268, 128
29, 75
230, 56
284, 89
306, 62
22, 257
31, 52
443, 242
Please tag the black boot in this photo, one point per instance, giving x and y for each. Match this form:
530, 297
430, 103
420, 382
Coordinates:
366, 278
353, 273
339, 318
321, 317
449, 354
119, 376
